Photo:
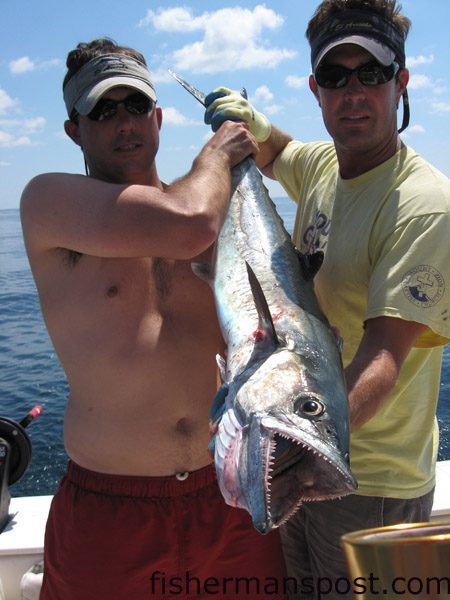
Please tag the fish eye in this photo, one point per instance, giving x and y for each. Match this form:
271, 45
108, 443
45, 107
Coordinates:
309, 406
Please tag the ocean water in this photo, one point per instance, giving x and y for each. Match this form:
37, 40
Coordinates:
30, 373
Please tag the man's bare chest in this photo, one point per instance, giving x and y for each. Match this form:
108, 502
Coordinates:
148, 285
133, 304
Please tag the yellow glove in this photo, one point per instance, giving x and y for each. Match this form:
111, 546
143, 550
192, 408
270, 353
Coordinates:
227, 105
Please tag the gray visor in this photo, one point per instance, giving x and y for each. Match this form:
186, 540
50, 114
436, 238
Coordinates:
382, 53
364, 28
99, 75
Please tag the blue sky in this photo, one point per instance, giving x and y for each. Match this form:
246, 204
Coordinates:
234, 43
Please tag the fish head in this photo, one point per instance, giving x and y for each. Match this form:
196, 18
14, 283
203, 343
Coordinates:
284, 439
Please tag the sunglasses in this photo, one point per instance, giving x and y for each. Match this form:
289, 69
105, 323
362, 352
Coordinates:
333, 77
135, 104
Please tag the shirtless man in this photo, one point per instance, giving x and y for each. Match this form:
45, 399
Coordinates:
138, 513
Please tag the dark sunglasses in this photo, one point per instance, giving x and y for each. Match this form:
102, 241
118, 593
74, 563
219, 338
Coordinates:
135, 104
336, 76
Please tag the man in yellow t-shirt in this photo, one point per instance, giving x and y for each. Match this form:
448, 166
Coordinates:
381, 215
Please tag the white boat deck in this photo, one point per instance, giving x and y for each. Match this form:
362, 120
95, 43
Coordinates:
441, 504
22, 541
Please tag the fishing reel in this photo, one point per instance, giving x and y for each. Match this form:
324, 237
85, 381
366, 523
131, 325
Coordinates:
15, 457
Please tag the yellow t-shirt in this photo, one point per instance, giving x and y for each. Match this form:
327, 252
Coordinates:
386, 238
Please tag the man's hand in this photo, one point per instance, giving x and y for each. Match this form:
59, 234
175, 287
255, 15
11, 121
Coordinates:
234, 142
224, 104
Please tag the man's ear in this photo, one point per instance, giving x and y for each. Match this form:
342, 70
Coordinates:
159, 116
313, 88
402, 82
73, 131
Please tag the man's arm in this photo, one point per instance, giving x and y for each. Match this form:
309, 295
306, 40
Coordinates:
111, 220
373, 372
270, 149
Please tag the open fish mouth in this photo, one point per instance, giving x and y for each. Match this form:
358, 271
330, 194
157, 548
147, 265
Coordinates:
297, 466
298, 472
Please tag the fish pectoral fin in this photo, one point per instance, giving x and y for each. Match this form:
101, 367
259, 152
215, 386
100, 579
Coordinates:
202, 270
310, 263
265, 322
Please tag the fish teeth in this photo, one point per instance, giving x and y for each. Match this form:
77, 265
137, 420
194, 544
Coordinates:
292, 511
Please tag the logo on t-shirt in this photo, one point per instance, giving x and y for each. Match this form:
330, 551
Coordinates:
316, 234
423, 286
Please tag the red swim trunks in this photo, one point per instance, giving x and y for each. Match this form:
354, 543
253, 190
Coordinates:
113, 537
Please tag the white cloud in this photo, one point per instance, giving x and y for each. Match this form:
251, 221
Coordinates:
6, 102
293, 81
4, 163
21, 65
262, 94
8, 140
178, 19
435, 86
416, 129
161, 75
62, 135
417, 82
17, 132
53, 62
186, 150
232, 38
24, 125
413, 61
172, 116
273, 109
32, 125
441, 107
440, 87
25, 64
